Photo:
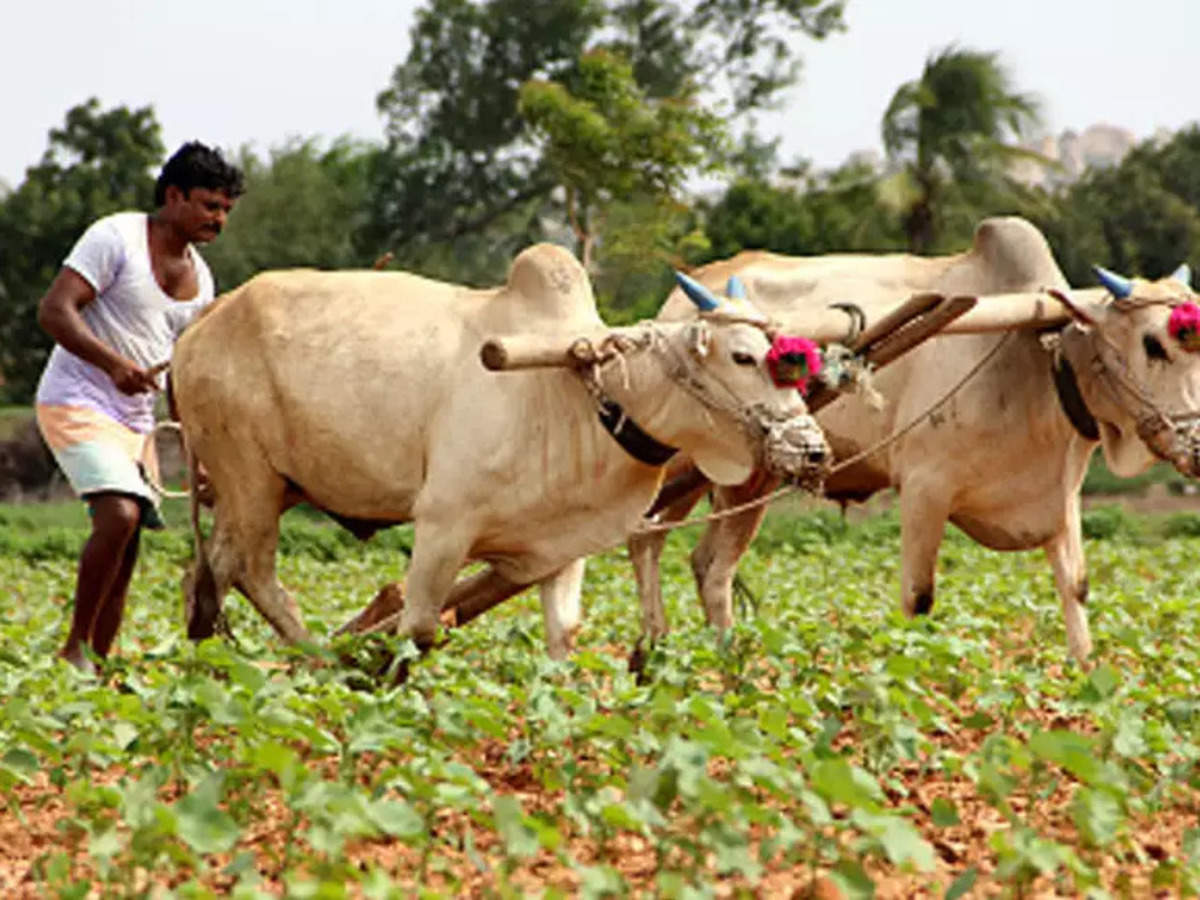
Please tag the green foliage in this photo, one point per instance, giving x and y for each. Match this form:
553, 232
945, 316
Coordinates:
304, 207
462, 177
957, 126
819, 736
1099, 480
789, 748
843, 211
98, 162
1140, 218
605, 140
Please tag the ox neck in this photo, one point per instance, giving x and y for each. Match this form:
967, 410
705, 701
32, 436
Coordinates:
1066, 386
633, 440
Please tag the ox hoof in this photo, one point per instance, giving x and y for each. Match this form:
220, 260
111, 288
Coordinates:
922, 604
201, 608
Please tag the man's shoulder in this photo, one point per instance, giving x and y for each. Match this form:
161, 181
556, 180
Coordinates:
124, 223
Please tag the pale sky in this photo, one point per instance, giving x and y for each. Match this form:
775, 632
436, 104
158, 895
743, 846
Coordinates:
234, 72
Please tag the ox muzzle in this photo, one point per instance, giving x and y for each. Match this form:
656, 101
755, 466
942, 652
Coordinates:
795, 449
1175, 439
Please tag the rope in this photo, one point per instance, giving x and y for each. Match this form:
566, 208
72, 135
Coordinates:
883, 444
152, 476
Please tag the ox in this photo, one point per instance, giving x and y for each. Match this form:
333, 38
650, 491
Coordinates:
1005, 458
362, 393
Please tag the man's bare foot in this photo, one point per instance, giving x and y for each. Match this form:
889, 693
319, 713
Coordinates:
77, 658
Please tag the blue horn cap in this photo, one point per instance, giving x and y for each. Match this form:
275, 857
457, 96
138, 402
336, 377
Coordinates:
1117, 285
734, 289
1183, 273
705, 300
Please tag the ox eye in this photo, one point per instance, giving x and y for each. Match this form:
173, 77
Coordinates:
1154, 349
744, 359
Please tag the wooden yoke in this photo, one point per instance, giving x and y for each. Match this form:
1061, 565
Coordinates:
535, 351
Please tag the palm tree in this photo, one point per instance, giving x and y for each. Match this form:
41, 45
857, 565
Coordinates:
955, 126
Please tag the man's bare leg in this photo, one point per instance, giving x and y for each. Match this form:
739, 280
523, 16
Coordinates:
115, 521
112, 610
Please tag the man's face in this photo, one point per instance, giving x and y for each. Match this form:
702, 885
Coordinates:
200, 213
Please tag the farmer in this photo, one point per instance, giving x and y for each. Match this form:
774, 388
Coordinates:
129, 287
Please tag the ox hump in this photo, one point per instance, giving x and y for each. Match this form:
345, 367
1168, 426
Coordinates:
1015, 254
547, 282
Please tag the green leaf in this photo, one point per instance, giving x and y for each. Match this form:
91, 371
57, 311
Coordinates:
963, 883
852, 880
837, 781
519, 840
978, 720
1097, 815
943, 812
203, 825
20, 760
105, 845
397, 818
1105, 679
1074, 752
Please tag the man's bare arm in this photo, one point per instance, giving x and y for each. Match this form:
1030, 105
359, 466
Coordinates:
58, 314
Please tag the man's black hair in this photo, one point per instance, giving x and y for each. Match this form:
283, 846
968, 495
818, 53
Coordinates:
195, 165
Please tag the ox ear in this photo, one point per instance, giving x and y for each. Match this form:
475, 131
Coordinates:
1117, 285
1078, 311
705, 300
699, 337
1183, 274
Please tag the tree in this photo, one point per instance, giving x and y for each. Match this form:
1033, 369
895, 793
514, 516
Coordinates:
304, 206
460, 162
99, 162
841, 211
954, 131
1139, 218
605, 141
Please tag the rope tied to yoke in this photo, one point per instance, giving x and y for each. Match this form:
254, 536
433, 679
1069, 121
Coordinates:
710, 392
883, 444
1163, 431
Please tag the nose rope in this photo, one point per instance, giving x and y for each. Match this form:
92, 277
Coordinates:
1118, 377
707, 391
656, 527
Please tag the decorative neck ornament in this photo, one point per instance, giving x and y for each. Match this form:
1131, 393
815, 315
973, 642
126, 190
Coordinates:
792, 361
1184, 326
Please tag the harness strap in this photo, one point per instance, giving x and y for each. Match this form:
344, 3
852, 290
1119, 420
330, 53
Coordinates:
633, 440
1071, 400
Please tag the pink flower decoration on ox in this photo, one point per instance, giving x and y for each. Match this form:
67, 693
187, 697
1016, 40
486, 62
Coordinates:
792, 361
1184, 326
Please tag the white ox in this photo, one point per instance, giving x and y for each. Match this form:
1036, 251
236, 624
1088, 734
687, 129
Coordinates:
363, 394
1002, 459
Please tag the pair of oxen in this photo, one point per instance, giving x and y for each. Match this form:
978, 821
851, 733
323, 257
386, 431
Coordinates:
364, 394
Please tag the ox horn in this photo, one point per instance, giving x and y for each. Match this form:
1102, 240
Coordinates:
1117, 285
705, 300
1183, 274
735, 289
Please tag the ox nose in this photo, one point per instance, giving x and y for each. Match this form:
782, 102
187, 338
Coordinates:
816, 457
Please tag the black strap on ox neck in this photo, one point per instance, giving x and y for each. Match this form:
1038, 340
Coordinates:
630, 436
1071, 400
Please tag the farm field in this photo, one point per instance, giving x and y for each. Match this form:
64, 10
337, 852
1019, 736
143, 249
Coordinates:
825, 748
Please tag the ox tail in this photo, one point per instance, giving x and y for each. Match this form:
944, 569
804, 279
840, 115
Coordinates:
202, 606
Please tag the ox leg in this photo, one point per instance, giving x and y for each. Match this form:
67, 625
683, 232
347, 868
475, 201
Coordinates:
1065, 552
923, 516
715, 559
437, 555
645, 551
243, 544
561, 607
